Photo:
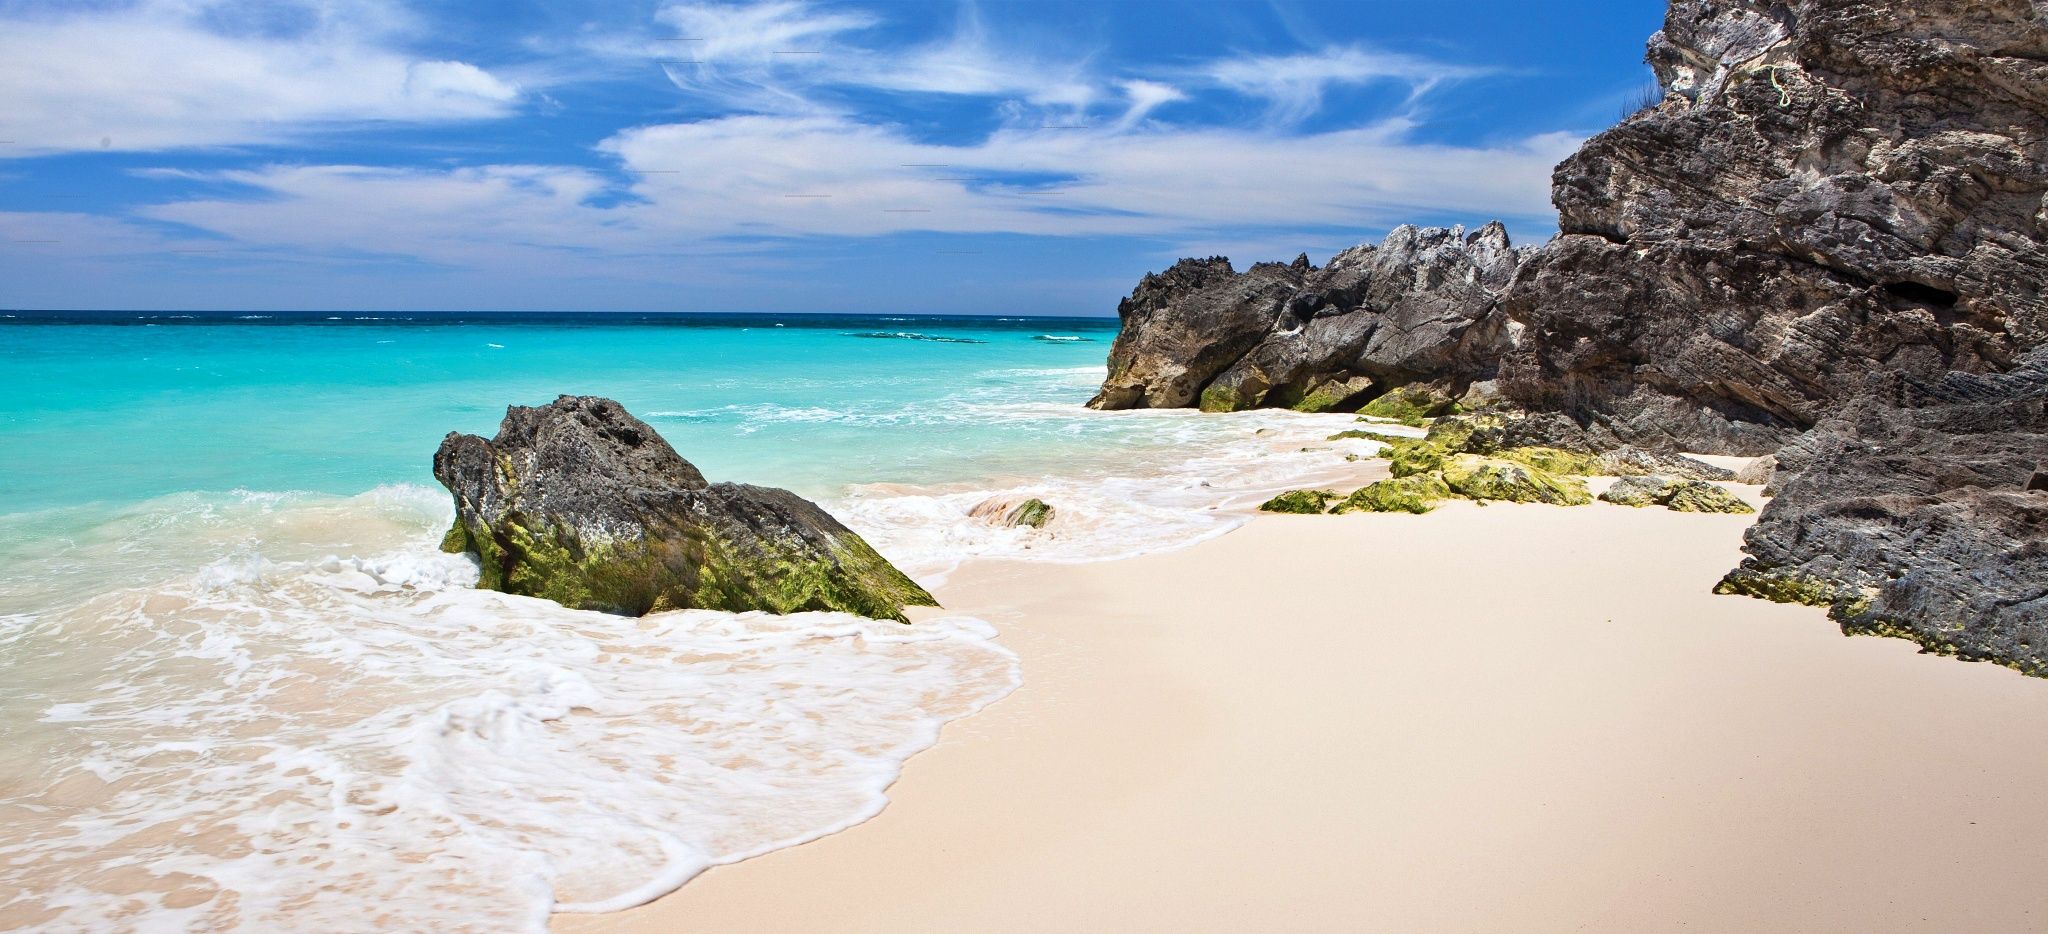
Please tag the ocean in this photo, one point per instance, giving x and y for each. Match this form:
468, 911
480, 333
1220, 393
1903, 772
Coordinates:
240, 688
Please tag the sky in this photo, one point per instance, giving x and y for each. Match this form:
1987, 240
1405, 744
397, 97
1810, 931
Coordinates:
779, 156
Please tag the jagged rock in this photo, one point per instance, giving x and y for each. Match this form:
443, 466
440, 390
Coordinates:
1300, 502
1758, 471
1912, 513
1417, 494
1674, 493
1475, 477
1420, 307
1629, 461
1006, 510
581, 503
1828, 187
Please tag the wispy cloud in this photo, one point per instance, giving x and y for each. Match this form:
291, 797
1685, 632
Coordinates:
1294, 85
166, 75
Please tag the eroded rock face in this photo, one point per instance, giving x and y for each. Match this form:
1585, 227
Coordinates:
1911, 514
1829, 187
579, 502
1421, 307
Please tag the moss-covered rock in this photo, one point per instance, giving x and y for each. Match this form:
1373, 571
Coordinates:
1701, 496
1331, 395
1486, 478
1636, 491
1410, 404
581, 503
1033, 513
1674, 493
1466, 434
1218, 398
1300, 502
1555, 460
1417, 494
1406, 459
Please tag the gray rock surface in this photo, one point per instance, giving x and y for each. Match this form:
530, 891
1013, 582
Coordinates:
1828, 187
1420, 307
579, 502
1911, 514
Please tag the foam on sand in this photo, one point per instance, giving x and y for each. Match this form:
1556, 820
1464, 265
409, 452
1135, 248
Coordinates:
348, 743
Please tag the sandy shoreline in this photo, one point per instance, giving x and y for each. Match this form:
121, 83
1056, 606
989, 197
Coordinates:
1494, 718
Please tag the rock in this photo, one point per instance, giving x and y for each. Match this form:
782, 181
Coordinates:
1910, 513
1033, 514
1411, 457
1675, 493
1758, 471
1630, 461
1335, 394
1640, 490
1828, 188
1701, 496
1486, 478
1422, 307
1416, 494
581, 503
1409, 405
1554, 460
1300, 502
1010, 511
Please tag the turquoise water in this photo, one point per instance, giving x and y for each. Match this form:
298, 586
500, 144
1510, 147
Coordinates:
114, 414
242, 689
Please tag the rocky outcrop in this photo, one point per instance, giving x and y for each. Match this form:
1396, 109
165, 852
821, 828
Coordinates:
1828, 187
1915, 512
1420, 308
581, 503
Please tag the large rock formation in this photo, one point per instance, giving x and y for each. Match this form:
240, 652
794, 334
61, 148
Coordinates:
1421, 307
581, 503
1918, 511
1828, 187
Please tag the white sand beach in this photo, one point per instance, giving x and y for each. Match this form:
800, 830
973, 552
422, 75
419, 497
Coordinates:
1500, 718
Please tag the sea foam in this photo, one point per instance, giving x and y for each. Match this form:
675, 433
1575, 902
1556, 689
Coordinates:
371, 744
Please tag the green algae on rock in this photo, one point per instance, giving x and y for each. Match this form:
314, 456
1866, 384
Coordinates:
1486, 478
1333, 394
1300, 502
1410, 404
1676, 494
581, 503
1034, 513
1416, 494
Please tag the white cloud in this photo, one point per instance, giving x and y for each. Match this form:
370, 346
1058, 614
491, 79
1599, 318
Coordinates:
163, 75
700, 187
1293, 85
777, 57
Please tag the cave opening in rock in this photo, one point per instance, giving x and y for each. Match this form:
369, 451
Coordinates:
1922, 293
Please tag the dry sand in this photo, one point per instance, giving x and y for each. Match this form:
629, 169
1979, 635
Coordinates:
1508, 718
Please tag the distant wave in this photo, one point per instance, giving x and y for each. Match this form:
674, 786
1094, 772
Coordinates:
1062, 338
913, 336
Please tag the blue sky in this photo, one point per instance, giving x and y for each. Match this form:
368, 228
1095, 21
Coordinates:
1000, 158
